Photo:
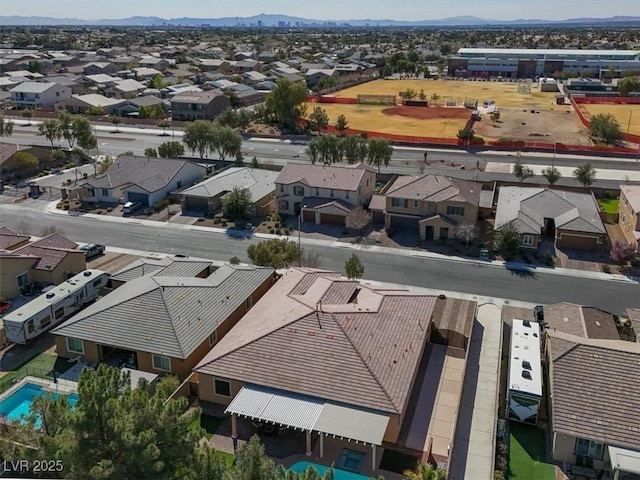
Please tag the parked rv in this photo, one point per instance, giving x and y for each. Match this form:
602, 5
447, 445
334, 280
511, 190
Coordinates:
53, 306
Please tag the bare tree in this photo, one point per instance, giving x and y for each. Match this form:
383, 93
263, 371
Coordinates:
467, 232
357, 219
49, 230
23, 228
310, 259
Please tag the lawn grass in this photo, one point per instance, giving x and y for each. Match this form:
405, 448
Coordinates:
43, 364
208, 423
227, 457
609, 205
398, 462
527, 454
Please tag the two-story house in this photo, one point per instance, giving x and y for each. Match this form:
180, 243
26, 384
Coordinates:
96, 68
629, 213
191, 106
38, 94
432, 205
324, 193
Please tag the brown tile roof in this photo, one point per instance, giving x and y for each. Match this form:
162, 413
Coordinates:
295, 338
320, 202
378, 202
55, 240
595, 390
9, 239
435, 188
585, 322
48, 258
343, 177
8, 149
455, 315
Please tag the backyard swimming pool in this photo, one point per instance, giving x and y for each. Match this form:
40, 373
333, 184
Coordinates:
19, 402
337, 473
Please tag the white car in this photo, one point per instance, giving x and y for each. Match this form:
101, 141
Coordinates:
130, 207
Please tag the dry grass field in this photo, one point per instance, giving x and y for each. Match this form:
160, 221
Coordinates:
623, 114
505, 94
371, 118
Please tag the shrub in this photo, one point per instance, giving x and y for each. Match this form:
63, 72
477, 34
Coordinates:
277, 225
442, 296
272, 231
224, 221
224, 224
66, 207
201, 219
109, 210
606, 268
234, 261
286, 232
99, 212
278, 232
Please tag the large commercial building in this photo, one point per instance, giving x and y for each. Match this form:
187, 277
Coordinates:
529, 63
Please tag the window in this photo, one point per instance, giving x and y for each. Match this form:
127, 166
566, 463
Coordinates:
97, 283
75, 345
331, 193
281, 188
415, 203
179, 184
298, 191
222, 387
44, 323
160, 362
452, 210
283, 205
347, 194
23, 279
249, 302
213, 338
92, 192
105, 192
59, 313
589, 448
399, 202
317, 192
527, 239
30, 327
430, 206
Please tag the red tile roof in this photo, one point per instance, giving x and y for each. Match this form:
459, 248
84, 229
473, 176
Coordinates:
55, 240
9, 239
343, 177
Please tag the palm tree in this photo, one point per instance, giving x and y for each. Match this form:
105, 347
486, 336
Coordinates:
425, 471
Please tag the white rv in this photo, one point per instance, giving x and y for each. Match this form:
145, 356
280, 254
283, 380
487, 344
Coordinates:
54, 306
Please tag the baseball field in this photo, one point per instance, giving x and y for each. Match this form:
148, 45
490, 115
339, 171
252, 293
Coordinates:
628, 116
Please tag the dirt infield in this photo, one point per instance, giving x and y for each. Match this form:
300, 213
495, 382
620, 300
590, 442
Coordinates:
428, 113
628, 116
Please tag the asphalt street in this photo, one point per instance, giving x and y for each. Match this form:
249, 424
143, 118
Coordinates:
449, 275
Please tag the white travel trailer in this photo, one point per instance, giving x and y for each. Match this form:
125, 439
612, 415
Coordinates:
54, 306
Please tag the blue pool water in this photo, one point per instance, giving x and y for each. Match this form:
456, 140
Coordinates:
337, 473
19, 402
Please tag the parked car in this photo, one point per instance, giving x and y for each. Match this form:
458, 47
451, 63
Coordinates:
93, 250
130, 207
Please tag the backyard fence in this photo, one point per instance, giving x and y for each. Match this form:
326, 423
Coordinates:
12, 379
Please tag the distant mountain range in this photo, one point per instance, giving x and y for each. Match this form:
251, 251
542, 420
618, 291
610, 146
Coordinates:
269, 20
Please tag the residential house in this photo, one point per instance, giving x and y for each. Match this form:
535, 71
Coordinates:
146, 73
34, 95
167, 320
173, 90
324, 193
96, 68
342, 69
128, 88
91, 102
154, 62
207, 196
213, 65
581, 321
191, 106
132, 106
245, 97
434, 206
50, 260
240, 56
593, 392
629, 213
101, 79
344, 356
254, 77
267, 57
12, 170
568, 219
142, 179
313, 76
243, 66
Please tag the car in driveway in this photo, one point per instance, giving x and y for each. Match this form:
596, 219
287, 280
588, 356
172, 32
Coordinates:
130, 207
93, 250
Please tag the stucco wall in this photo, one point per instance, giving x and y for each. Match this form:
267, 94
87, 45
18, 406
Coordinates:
628, 219
72, 263
10, 268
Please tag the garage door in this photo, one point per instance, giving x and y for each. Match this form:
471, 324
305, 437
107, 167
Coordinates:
195, 204
404, 223
575, 242
143, 198
309, 216
329, 219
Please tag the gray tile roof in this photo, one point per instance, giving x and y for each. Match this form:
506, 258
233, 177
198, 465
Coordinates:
297, 339
595, 390
169, 316
527, 207
197, 97
346, 177
259, 182
435, 188
164, 267
33, 87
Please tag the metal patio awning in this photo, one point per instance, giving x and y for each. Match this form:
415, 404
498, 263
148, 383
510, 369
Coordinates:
307, 413
627, 461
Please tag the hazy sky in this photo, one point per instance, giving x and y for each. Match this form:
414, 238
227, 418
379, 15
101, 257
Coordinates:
323, 9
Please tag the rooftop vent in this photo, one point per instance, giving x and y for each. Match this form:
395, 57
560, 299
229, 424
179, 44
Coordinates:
87, 273
526, 365
51, 295
526, 323
526, 374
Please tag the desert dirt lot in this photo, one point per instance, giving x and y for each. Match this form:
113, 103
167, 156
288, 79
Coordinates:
505, 94
414, 121
623, 114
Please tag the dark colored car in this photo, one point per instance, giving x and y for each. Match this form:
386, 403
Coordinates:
93, 250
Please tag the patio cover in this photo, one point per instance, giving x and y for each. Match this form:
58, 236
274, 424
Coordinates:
308, 413
627, 461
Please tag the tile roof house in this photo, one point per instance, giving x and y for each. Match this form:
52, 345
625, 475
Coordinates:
570, 218
340, 348
91, 101
167, 322
38, 94
629, 213
594, 391
433, 205
49, 260
207, 196
142, 179
585, 322
324, 193
189, 106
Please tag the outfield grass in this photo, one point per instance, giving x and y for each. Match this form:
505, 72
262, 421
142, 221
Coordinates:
628, 116
609, 205
527, 454
505, 94
43, 364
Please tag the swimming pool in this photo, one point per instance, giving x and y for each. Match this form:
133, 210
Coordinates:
19, 402
337, 473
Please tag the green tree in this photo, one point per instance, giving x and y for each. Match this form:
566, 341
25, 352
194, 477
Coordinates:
237, 204
207, 464
507, 238
28, 115
353, 267
243, 120
354, 148
156, 82
116, 121
380, 151
226, 142
425, 471
26, 161
521, 171
58, 156
6, 127
285, 103
171, 149
318, 119
198, 136
144, 111
341, 125
234, 260
65, 122
150, 152
251, 462
50, 129
551, 174
228, 118
585, 174
276, 253
628, 85
164, 124
605, 127
83, 133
